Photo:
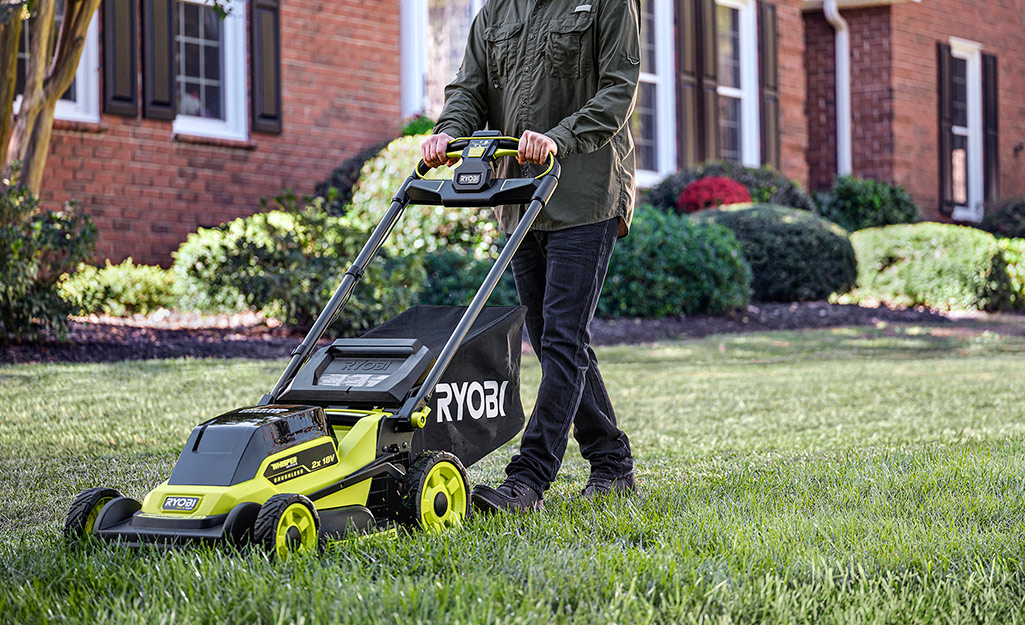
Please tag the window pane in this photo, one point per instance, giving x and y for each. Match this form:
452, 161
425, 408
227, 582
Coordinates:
200, 60
959, 169
729, 46
729, 127
959, 91
643, 126
189, 19
648, 37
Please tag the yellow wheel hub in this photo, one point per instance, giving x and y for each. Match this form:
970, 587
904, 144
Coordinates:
297, 531
443, 500
95, 512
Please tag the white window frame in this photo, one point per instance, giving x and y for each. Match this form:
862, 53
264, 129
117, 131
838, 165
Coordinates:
235, 125
750, 122
86, 107
971, 53
665, 96
414, 16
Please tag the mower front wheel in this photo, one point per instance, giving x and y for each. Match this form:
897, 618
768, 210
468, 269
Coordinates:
286, 524
434, 493
81, 519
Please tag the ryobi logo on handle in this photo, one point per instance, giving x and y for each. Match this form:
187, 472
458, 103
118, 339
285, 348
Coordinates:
180, 504
476, 399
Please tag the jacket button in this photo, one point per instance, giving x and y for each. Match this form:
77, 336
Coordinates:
523, 103
495, 85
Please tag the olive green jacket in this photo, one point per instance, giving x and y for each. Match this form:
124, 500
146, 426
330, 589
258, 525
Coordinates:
569, 69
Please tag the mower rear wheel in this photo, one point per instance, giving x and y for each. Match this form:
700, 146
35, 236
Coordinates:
286, 524
82, 514
434, 493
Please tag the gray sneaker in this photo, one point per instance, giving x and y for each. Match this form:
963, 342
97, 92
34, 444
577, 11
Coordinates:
601, 487
510, 496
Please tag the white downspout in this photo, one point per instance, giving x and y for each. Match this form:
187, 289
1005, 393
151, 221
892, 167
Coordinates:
843, 87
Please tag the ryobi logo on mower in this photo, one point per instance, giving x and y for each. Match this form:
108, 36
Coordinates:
180, 504
302, 463
476, 399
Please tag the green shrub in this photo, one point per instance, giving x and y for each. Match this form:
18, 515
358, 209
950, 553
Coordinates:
36, 248
453, 277
422, 229
794, 255
1013, 253
289, 262
120, 290
418, 125
196, 265
857, 203
936, 265
1006, 218
337, 189
767, 186
671, 265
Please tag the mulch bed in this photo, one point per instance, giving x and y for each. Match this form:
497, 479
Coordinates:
181, 335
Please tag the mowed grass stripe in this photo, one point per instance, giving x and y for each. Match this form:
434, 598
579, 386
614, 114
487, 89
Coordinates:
841, 476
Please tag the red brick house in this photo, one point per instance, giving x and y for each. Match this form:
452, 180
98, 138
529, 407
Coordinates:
178, 120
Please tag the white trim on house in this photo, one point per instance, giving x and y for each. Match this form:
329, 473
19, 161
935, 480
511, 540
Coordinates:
235, 125
750, 122
665, 96
414, 19
86, 107
971, 52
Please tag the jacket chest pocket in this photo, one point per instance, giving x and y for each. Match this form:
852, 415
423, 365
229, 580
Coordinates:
569, 48
503, 49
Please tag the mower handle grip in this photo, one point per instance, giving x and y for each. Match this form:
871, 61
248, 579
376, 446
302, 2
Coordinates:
507, 146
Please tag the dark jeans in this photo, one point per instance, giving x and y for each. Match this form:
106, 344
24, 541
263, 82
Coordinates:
559, 276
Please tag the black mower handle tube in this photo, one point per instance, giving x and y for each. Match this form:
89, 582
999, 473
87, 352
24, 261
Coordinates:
545, 187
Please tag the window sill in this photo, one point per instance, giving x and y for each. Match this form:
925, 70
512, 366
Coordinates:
214, 141
74, 125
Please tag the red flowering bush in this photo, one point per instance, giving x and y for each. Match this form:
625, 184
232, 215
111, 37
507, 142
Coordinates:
711, 192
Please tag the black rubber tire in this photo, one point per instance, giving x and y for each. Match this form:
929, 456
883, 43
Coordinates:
86, 504
412, 487
265, 528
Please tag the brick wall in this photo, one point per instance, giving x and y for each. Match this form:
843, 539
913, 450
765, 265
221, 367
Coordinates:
998, 26
872, 95
794, 138
146, 191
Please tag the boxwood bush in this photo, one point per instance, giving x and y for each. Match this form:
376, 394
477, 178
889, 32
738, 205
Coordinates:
794, 255
767, 186
120, 290
36, 249
857, 203
453, 277
671, 265
941, 266
289, 262
1006, 218
1013, 253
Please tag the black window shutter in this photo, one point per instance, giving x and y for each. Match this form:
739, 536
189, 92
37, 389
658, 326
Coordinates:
708, 34
943, 64
991, 136
158, 76
768, 77
120, 64
266, 65
688, 82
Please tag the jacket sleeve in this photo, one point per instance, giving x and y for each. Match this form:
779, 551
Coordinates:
466, 98
619, 68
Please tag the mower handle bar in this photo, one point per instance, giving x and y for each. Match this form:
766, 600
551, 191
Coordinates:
540, 190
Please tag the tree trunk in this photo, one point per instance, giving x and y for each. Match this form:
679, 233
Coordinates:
10, 33
33, 159
52, 69
35, 71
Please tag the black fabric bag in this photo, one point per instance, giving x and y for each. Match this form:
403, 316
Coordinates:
475, 408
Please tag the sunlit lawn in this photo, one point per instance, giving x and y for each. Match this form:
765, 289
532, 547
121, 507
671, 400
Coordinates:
849, 475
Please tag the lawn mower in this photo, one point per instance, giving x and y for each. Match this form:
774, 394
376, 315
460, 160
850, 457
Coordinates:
363, 433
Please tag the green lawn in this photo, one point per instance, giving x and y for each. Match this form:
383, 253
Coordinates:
839, 476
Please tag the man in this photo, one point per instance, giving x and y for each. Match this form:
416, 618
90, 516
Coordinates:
562, 75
